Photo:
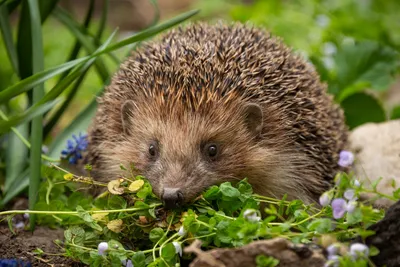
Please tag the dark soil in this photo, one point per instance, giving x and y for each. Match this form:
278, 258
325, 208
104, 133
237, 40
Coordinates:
22, 245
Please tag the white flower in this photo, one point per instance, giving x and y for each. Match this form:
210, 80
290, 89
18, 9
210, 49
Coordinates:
333, 249
349, 194
322, 20
351, 206
358, 249
26, 216
19, 225
333, 261
251, 215
324, 200
329, 49
182, 231
178, 248
357, 183
102, 247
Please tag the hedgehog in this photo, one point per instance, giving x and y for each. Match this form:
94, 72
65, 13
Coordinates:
210, 103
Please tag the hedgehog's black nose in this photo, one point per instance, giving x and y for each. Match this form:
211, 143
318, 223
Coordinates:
172, 198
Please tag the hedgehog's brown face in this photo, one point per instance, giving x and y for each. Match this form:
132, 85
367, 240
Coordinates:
182, 153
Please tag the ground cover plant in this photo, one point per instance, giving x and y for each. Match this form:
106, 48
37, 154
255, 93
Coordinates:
128, 224
47, 98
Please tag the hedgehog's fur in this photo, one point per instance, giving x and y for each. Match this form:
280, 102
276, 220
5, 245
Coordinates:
190, 87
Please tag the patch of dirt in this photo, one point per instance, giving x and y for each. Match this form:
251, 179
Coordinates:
22, 245
288, 254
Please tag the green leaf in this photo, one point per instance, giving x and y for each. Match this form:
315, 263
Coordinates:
395, 114
152, 30
75, 234
323, 225
156, 234
38, 78
6, 32
20, 183
16, 159
26, 84
212, 193
365, 62
26, 116
168, 251
38, 92
361, 108
138, 259
229, 191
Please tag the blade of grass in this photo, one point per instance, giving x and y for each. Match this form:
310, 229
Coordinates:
6, 32
19, 184
40, 77
49, 99
79, 124
26, 116
17, 154
152, 31
60, 111
38, 92
24, 85
80, 34
156, 12
77, 46
55, 118
24, 141
72, 55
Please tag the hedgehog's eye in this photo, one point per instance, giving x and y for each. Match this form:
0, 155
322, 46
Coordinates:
211, 150
153, 149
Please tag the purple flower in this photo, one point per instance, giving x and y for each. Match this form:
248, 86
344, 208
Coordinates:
346, 158
127, 263
339, 207
14, 262
359, 249
324, 200
75, 148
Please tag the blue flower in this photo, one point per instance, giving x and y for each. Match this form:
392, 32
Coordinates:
75, 147
14, 262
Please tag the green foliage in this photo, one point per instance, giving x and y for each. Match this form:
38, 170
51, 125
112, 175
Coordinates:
139, 229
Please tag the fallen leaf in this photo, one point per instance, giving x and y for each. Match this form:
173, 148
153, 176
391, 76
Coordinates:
114, 187
136, 185
115, 225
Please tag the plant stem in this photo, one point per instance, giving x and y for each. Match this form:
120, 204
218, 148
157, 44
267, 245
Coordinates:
75, 213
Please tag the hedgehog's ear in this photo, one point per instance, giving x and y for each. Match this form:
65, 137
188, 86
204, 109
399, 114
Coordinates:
254, 118
127, 111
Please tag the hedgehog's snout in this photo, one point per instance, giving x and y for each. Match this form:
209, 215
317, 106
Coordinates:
172, 198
